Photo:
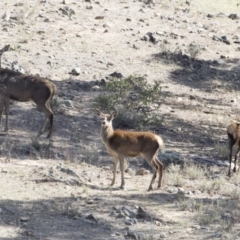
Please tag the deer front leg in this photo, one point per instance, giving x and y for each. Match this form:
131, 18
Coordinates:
6, 105
42, 127
115, 165
230, 160
1, 110
235, 160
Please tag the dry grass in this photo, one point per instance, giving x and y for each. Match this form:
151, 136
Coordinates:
194, 172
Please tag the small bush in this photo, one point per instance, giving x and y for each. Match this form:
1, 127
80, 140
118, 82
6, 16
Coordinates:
174, 177
194, 172
212, 185
233, 192
191, 205
221, 213
193, 50
56, 105
137, 99
178, 56
222, 150
174, 168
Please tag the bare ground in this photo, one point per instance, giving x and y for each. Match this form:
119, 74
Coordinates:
60, 189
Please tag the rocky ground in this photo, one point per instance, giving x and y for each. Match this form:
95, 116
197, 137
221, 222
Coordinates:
59, 189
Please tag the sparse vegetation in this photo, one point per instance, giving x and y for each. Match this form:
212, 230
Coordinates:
207, 185
190, 204
48, 189
222, 150
194, 172
134, 96
174, 176
56, 105
219, 214
177, 55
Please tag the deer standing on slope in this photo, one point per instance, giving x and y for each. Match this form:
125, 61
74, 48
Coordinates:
233, 132
121, 144
23, 88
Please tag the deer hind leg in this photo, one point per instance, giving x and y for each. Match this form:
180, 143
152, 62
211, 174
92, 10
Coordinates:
235, 160
45, 108
115, 166
231, 144
160, 171
151, 161
1, 109
155, 170
5, 104
121, 160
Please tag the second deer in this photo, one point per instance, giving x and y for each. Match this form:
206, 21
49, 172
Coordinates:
121, 144
233, 132
22, 87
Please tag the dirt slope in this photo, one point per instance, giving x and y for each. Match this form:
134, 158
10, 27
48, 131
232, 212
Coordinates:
60, 189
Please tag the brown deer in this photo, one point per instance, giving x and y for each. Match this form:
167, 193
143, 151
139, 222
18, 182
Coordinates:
5, 49
121, 144
233, 132
151, 1
22, 87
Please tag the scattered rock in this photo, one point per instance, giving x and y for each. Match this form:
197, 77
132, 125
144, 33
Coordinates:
136, 235
17, 68
24, 219
141, 213
129, 212
170, 157
172, 190
130, 221
233, 16
75, 71
99, 17
142, 171
91, 218
151, 37
158, 236
221, 39
116, 75
67, 103
210, 15
196, 191
67, 11
181, 191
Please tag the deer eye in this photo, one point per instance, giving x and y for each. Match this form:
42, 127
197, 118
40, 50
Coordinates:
109, 118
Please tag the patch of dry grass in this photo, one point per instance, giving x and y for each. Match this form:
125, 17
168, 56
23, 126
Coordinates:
194, 172
220, 214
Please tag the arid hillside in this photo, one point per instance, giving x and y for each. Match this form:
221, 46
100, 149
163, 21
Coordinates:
172, 68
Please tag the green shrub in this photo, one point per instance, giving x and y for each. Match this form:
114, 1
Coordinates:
137, 99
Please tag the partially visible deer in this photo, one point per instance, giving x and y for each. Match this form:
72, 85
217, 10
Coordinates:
121, 144
233, 132
151, 1
22, 87
5, 49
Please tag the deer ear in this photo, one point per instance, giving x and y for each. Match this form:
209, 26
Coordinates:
98, 112
114, 114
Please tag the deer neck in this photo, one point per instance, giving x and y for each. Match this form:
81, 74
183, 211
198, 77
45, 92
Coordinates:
106, 133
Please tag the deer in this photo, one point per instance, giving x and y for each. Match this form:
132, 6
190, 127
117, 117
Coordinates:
5, 49
23, 88
121, 144
233, 132
151, 1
